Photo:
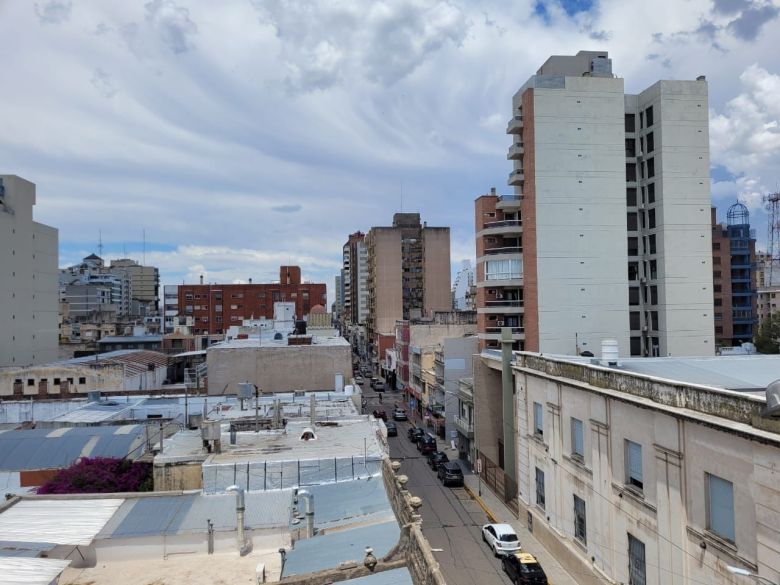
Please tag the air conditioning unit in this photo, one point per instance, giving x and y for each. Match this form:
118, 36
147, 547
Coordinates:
642, 279
644, 327
639, 154
499, 323
499, 295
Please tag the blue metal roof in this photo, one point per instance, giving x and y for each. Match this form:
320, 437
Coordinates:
400, 576
342, 503
330, 550
30, 449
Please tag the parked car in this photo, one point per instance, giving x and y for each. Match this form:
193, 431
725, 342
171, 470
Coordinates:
437, 458
392, 429
399, 414
427, 444
501, 538
450, 473
379, 413
523, 569
379, 386
414, 434
359, 379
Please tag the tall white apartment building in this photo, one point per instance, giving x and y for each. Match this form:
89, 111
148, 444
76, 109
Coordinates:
29, 256
355, 279
608, 229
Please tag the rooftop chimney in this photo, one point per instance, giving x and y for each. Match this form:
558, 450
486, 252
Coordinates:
201, 279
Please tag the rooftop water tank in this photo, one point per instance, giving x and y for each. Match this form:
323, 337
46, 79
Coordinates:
610, 352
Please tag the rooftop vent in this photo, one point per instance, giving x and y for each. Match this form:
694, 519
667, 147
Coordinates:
610, 352
772, 399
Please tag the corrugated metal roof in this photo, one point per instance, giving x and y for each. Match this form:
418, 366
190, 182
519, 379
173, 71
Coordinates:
343, 503
30, 449
130, 339
330, 550
13, 548
24, 571
189, 513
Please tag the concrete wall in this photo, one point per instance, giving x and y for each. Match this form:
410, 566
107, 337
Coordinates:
684, 236
278, 369
458, 357
384, 280
488, 412
437, 294
29, 284
580, 218
669, 514
179, 476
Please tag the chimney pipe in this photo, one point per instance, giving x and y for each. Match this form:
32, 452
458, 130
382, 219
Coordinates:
492, 190
250, 281
201, 279
309, 512
312, 411
243, 546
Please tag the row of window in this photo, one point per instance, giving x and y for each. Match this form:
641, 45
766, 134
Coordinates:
719, 492
55, 381
277, 296
645, 115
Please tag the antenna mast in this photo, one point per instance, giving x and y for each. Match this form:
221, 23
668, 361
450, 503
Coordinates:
773, 233
100, 243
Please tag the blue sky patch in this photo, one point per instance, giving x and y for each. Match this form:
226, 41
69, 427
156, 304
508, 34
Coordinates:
570, 7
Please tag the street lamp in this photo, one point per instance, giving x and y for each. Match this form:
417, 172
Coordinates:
745, 573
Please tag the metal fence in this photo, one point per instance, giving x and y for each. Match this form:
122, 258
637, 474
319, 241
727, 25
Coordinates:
499, 483
276, 475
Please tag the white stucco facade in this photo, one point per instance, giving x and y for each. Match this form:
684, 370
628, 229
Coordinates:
28, 279
719, 437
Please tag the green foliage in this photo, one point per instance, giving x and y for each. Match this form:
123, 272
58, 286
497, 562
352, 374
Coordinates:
768, 338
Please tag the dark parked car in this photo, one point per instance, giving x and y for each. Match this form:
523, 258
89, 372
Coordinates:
399, 414
524, 569
414, 434
379, 413
426, 444
392, 429
437, 458
450, 473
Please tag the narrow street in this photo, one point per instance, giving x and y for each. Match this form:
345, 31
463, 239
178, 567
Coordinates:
451, 519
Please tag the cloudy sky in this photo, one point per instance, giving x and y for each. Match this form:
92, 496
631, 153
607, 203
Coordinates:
244, 134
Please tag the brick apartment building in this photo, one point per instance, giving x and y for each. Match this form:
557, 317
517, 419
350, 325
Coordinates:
215, 307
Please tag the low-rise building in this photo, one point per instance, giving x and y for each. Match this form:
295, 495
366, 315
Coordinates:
659, 470
115, 371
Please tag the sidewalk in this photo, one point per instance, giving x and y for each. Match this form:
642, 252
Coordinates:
497, 511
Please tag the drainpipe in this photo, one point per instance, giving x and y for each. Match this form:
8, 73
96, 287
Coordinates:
243, 546
309, 511
507, 392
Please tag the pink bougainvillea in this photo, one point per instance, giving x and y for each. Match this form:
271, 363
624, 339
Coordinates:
100, 475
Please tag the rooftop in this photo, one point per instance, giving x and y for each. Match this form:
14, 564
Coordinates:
31, 449
269, 342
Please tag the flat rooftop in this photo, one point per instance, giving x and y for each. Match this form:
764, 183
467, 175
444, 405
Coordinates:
270, 343
345, 439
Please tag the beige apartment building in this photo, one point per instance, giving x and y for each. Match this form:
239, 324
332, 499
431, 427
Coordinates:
408, 276
607, 234
662, 471
29, 301
144, 285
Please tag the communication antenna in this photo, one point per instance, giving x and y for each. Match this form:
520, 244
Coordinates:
144, 248
100, 243
772, 202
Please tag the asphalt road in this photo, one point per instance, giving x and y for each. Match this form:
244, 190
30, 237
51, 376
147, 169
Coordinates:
451, 519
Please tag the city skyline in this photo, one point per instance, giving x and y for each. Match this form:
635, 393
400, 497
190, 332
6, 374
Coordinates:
147, 118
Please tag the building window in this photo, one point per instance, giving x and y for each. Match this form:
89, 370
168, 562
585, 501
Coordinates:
30, 382
538, 420
653, 295
633, 246
633, 295
633, 271
631, 221
503, 269
651, 193
630, 172
56, 381
634, 464
720, 506
630, 122
649, 116
650, 141
636, 562
651, 218
577, 445
218, 308
650, 168
653, 269
631, 196
654, 320
636, 346
82, 380
540, 488
579, 520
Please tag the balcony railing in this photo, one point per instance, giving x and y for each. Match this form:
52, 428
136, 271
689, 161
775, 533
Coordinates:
505, 303
506, 198
504, 250
504, 223
503, 276
515, 330
515, 125
464, 424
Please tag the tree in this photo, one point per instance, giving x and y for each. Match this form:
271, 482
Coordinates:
100, 475
768, 338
